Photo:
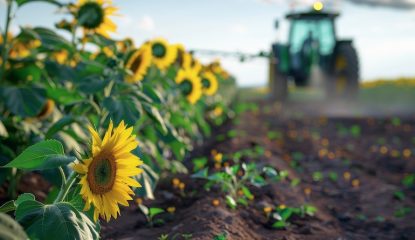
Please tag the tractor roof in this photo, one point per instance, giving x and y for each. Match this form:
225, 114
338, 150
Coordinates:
312, 15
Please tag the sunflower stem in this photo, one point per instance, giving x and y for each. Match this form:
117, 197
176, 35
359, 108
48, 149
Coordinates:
66, 187
5, 49
63, 176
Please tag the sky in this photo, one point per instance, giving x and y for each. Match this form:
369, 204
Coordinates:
383, 36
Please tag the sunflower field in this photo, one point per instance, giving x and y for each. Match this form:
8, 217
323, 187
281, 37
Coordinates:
105, 137
98, 120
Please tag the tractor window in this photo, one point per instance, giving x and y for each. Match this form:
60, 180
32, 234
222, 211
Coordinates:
321, 31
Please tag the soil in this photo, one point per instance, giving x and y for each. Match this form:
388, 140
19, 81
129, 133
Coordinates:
366, 153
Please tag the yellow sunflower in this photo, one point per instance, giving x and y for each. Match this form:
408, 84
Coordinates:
138, 64
163, 54
209, 83
190, 62
93, 15
180, 54
190, 84
106, 175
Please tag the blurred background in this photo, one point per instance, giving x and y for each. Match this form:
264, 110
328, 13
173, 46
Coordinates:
383, 30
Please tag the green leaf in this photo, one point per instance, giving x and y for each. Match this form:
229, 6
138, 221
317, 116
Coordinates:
199, 163
148, 180
24, 101
230, 202
92, 85
24, 197
22, 2
242, 201
10, 229
247, 193
152, 93
59, 125
279, 224
201, 174
55, 221
43, 155
64, 96
399, 195
7, 207
123, 108
286, 213
154, 211
50, 39
154, 114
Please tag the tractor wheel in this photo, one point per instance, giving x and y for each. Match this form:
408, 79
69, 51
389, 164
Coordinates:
344, 82
277, 83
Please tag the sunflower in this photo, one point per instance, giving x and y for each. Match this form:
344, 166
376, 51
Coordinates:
138, 64
93, 15
163, 54
180, 54
209, 83
190, 62
106, 175
190, 84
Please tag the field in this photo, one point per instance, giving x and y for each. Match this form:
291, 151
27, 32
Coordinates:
356, 170
107, 138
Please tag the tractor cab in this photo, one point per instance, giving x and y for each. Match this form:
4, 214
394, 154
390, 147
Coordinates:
312, 42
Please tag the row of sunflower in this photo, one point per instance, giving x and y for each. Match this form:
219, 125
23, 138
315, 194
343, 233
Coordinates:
60, 88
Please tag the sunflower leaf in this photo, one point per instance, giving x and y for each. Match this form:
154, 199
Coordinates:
55, 221
43, 155
22, 2
24, 101
154, 114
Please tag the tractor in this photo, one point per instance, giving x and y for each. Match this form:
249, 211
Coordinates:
312, 45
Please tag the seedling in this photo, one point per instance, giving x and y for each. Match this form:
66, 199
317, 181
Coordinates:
222, 236
281, 215
150, 214
408, 180
295, 182
399, 195
402, 212
318, 176
333, 176
199, 163
234, 180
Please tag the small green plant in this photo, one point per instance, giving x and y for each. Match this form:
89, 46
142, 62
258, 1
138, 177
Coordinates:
318, 176
399, 195
150, 214
222, 236
199, 163
280, 216
234, 180
408, 180
185, 236
163, 237
333, 176
401, 212
295, 182
274, 135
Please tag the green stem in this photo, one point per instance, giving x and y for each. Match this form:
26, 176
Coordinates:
5, 49
63, 176
66, 187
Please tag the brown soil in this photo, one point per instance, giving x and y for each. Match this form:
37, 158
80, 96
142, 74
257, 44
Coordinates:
363, 211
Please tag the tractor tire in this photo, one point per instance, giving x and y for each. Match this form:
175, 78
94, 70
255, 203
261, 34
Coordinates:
277, 83
343, 84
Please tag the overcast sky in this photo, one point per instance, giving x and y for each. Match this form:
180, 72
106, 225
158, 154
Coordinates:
384, 36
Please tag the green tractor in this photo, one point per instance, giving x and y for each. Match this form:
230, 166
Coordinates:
313, 44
